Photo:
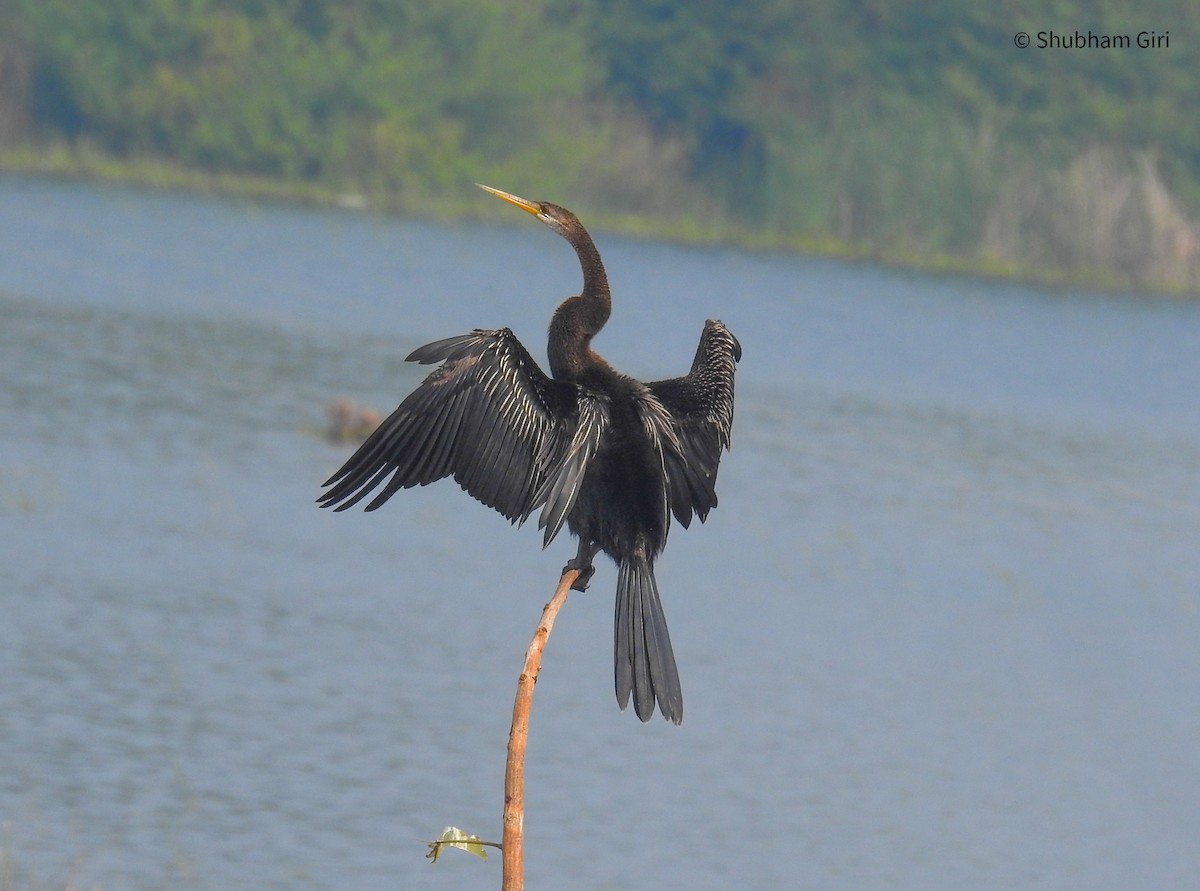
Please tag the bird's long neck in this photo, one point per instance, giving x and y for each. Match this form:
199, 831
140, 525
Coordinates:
579, 318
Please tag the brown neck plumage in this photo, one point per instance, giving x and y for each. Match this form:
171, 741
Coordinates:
580, 318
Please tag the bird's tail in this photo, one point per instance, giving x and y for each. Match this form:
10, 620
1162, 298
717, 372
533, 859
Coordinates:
645, 663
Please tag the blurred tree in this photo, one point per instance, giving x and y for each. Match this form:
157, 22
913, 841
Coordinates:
16, 76
894, 126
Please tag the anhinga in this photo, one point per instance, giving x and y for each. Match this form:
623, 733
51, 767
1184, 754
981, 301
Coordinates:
609, 455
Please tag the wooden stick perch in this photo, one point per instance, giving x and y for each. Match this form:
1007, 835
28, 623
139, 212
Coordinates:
514, 773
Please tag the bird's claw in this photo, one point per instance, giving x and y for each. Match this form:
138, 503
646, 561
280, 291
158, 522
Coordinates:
585, 574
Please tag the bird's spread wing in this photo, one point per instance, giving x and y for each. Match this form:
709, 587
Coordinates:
557, 493
701, 408
511, 436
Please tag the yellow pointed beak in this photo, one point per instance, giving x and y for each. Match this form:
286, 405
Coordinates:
524, 203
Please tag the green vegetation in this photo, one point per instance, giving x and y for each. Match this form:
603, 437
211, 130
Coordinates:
913, 132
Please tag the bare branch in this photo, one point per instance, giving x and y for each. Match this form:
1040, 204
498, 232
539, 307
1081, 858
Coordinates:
514, 773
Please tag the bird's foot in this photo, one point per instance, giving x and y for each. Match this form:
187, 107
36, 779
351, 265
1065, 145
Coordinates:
585, 573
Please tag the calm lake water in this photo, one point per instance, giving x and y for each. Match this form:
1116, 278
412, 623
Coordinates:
943, 631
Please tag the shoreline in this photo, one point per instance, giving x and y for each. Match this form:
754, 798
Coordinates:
89, 165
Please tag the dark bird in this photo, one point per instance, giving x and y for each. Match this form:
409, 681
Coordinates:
610, 456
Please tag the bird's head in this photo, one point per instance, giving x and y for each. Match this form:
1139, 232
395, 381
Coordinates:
557, 218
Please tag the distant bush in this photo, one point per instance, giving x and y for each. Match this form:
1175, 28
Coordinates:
897, 129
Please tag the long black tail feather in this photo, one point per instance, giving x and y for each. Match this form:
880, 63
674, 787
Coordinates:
645, 662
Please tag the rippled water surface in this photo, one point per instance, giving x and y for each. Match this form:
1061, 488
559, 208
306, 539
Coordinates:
942, 632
